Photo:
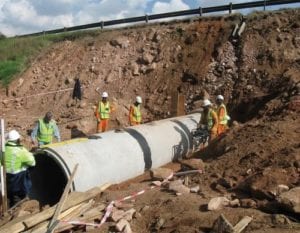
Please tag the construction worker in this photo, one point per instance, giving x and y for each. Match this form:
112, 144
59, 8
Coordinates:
209, 119
103, 113
222, 115
44, 131
17, 161
135, 115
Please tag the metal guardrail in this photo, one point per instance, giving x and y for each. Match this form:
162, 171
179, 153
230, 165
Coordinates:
146, 18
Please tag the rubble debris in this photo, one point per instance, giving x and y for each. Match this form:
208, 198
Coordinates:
196, 164
248, 203
178, 187
161, 173
117, 215
222, 225
195, 189
122, 225
218, 203
21, 224
290, 200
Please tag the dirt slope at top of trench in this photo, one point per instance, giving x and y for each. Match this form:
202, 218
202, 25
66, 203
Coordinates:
147, 61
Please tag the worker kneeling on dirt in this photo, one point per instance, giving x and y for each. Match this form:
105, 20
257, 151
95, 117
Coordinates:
135, 115
222, 115
209, 119
103, 113
44, 131
17, 161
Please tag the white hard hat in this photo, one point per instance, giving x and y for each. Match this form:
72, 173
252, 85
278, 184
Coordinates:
104, 94
13, 135
206, 102
139, 99
220, 97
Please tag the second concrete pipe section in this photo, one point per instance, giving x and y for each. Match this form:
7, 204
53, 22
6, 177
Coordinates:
111, 157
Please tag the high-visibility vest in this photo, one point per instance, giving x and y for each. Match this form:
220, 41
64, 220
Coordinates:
17, 158
137, 115
104, 110
45, 131
224, 119
210, 121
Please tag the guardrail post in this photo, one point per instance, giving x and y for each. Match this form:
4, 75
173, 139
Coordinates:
102, 24
146, 18
230, 7
200, 11
265, 3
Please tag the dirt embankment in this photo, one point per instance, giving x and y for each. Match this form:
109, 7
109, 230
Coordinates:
257, 73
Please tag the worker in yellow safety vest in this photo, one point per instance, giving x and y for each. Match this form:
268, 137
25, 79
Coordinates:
135, 115
223, 117
17, 161
44, 131
209, 119
103, 113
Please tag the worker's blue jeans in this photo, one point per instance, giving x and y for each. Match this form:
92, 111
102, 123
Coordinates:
18, 186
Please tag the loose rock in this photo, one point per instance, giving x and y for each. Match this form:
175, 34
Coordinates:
291, 200
161, 173
217, 203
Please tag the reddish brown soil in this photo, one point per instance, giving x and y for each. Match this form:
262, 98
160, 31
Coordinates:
258, 74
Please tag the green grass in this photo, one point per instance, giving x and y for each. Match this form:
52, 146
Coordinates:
10, 68
17, 53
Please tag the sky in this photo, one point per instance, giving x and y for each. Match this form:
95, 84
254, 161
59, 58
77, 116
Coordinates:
18, 17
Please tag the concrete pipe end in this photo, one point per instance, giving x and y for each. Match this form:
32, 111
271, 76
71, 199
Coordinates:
49, 179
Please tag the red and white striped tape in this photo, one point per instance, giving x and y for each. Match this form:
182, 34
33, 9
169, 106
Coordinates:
109, 208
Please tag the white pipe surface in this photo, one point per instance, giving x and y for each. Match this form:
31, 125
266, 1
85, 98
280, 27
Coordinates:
113, 157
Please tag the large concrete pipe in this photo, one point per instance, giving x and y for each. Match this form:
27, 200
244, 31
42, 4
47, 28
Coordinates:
112, 157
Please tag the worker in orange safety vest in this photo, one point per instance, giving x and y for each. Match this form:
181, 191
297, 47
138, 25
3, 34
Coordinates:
102, 113
223, 117
135, 115
209, 119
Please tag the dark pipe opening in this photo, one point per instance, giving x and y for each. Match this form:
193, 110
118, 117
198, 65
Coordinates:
48, 180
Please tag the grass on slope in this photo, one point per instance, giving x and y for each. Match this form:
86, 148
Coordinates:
17, 53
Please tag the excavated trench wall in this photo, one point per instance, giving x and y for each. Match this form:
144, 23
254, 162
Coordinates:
111, 157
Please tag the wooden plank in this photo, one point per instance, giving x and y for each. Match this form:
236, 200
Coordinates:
69, 211
18, 227
42, 227
180, 105
22, 224
77, 212
241, 225
18, 204
88, 216
62, 200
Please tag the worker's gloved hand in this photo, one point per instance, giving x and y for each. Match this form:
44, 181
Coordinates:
98, 120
